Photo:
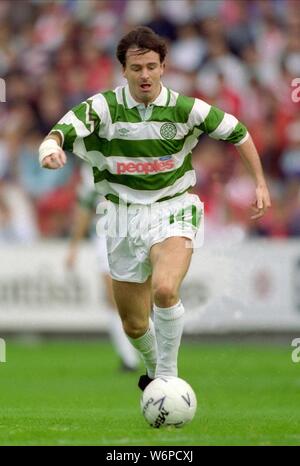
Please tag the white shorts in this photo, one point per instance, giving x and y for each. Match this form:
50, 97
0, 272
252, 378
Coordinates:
131, 233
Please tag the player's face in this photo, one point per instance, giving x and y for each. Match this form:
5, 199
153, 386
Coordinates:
143, 73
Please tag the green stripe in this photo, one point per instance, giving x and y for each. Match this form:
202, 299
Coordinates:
145, 182
118, 112
212, 121
124, 97
93, 142
189, 214
69, 135
237, 134
178, 114
80, 112
169, 97
116, 199
134, 148
196, 216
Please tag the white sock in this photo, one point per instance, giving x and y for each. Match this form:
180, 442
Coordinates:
146, 345
120, 341
168, 322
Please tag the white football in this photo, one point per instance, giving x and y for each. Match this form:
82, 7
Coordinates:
168, 401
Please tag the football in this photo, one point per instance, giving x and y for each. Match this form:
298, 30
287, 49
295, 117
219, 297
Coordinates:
168, 401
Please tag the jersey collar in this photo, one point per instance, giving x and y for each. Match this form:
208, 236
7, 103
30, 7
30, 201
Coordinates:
162, 100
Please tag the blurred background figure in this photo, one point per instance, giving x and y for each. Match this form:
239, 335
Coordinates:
84, 221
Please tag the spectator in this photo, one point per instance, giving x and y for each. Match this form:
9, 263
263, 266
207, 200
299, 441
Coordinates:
240, 56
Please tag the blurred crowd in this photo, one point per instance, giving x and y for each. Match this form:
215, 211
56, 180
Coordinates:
240, 55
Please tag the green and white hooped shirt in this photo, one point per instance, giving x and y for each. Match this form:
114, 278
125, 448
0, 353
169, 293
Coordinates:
143, 154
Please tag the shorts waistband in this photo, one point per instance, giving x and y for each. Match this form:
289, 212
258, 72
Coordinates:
116, 199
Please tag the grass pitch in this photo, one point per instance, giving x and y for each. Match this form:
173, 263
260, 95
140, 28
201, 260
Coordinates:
71, 393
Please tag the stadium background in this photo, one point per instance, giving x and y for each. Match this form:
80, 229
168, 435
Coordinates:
242, 56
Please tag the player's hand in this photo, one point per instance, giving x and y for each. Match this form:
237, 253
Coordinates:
55, 160
262, 202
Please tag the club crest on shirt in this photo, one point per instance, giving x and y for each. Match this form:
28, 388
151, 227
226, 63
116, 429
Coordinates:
168, 131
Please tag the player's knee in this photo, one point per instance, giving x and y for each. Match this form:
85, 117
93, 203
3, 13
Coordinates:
165, 295
134, 329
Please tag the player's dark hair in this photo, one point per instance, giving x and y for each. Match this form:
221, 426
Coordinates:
142, 38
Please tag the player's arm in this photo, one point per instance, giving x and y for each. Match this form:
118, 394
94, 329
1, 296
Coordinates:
251, 159
221, 125
78, 123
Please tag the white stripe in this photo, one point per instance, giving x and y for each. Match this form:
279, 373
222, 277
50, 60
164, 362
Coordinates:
99, 105
225, 128
80, 150
119, 96
71, 119
139, 131
173, 98
146, 197
198, 113
245, 138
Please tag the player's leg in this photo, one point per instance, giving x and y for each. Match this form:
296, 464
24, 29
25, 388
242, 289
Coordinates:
170, 262
134, 305
129, 357
117, 335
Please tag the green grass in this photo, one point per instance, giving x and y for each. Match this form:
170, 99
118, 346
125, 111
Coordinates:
71, 393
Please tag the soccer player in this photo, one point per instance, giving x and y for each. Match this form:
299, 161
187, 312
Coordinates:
139, 140
88, 199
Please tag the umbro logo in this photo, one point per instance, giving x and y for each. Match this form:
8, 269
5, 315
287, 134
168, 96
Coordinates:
123, 131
